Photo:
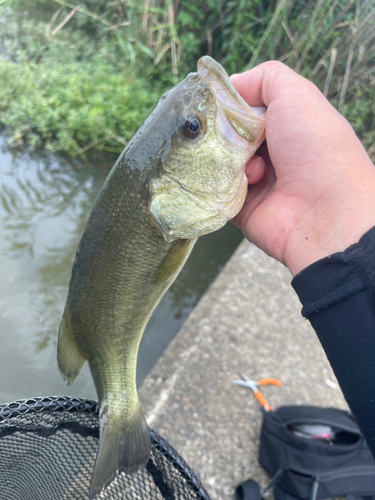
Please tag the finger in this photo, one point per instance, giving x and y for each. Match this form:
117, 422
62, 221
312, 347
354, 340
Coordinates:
268, 81
258, 192
257, 196
255, 169
249, 86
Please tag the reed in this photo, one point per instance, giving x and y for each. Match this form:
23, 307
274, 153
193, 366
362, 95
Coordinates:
331, 42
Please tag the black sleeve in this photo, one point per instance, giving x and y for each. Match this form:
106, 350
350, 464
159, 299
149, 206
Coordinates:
338, 298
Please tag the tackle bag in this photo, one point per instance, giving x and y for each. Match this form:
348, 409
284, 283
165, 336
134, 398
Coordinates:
335, 461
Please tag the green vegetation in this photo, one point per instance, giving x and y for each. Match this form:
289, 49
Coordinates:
66, 94
72, 107
75, 75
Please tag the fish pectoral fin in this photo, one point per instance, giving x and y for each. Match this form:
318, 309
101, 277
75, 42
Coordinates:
69, 357
124, 445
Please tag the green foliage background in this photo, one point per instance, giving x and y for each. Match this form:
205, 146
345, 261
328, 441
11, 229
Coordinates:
92, 81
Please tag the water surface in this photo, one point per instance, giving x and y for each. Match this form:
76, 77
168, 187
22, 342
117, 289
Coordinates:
44, 206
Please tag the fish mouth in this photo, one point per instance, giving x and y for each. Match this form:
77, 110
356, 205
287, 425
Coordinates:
248, 123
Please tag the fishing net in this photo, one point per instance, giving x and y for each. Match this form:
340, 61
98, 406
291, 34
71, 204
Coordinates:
47, 452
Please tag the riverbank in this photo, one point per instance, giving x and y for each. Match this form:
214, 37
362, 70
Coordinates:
248, 321
77, 77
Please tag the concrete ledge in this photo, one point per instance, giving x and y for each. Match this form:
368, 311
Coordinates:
249, 321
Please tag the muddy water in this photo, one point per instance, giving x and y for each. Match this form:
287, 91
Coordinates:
44, 206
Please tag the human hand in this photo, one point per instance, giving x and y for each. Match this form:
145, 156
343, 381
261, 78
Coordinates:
312, 187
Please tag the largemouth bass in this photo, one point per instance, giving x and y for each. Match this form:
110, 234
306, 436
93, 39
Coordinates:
180, 177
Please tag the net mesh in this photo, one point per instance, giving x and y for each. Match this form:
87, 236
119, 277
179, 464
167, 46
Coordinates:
48, 447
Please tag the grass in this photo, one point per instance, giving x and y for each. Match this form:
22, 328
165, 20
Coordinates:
89, 73
72, 107
66, 94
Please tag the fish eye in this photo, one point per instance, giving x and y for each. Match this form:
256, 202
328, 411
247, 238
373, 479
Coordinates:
193, 126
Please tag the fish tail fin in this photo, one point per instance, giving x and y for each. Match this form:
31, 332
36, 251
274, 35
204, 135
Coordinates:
124, 445
69, 358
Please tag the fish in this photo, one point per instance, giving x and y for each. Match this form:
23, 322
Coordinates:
181, 176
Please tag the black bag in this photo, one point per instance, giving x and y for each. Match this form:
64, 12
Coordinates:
306, 467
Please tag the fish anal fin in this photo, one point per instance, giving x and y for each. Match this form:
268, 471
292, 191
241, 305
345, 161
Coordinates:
124, 445
69, 357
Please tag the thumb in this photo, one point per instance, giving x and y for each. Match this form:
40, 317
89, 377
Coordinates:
270, 80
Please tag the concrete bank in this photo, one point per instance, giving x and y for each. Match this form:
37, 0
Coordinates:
249, 321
